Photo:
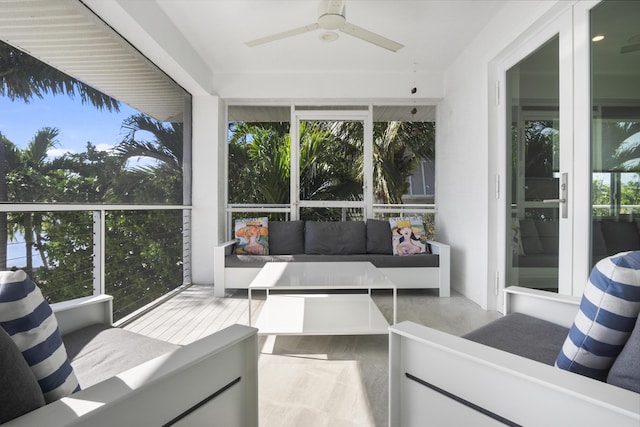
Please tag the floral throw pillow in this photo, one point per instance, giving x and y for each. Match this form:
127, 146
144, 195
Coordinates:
254, 236
408, 236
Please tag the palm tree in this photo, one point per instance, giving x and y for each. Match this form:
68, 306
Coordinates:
626, 138
27, 174
397, 150
23, 77
166, 147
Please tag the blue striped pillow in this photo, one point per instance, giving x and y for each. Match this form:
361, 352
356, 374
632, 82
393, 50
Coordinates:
608, 312
26, 316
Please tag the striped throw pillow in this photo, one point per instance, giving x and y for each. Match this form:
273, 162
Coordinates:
26, 316
607, 315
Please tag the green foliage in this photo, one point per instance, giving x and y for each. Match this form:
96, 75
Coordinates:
143, 257
331, 162
143, 248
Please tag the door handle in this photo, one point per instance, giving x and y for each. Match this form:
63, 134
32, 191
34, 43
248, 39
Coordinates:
563, 196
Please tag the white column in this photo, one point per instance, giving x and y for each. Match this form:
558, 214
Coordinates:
207, 216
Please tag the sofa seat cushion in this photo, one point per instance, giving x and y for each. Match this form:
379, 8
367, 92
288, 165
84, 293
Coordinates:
380, 261
99, 352
523, 335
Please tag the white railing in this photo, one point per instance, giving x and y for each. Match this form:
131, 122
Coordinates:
96, 257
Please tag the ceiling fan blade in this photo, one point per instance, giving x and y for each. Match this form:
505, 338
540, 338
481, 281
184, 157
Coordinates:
283, 35
366, 35
630, 48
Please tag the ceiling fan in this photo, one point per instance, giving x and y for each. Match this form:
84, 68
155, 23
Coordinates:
331, 16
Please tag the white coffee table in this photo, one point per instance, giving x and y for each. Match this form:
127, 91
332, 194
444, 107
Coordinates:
346, 313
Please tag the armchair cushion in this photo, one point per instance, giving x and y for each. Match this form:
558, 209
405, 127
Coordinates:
28, 319
524, 335
608, 312
19, 390
86, 349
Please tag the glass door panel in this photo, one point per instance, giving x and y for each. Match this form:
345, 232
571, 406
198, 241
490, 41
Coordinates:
615, 128
534, 185
331, 168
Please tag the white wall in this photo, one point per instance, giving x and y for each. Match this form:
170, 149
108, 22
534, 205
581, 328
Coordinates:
465, 173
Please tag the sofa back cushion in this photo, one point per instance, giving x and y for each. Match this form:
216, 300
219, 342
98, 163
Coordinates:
19, 390
608, 313
620, 236
548, 232
531, 243
625, 371
379, 237
286, 237
334, 238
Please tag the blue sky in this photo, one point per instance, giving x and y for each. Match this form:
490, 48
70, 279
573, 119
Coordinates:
77, 123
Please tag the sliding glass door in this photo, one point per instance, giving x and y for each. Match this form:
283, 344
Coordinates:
572, 146
539, 160
535, 201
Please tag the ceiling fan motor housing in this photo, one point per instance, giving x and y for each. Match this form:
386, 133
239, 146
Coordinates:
331, 14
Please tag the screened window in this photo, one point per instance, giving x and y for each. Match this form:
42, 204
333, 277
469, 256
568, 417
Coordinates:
347, 162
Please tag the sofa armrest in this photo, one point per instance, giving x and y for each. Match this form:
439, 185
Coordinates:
437, 379
444, 269
214, 378
82, 312
550, 306
219, 252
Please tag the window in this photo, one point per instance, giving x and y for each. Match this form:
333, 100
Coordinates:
615, 129
348, 162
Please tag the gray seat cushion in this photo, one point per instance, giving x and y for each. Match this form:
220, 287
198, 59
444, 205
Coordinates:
380, 261
19, 389
523, 335
334, 238
99, 352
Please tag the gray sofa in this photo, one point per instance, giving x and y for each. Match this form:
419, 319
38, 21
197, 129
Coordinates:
312, 241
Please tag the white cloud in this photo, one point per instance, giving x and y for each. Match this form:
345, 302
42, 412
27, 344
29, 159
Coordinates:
59, 152
105, 147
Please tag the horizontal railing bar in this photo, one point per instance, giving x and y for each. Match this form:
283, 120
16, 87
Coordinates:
59, 207
405, 205
258, 209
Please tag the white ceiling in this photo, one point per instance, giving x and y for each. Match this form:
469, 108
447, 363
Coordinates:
433, 33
